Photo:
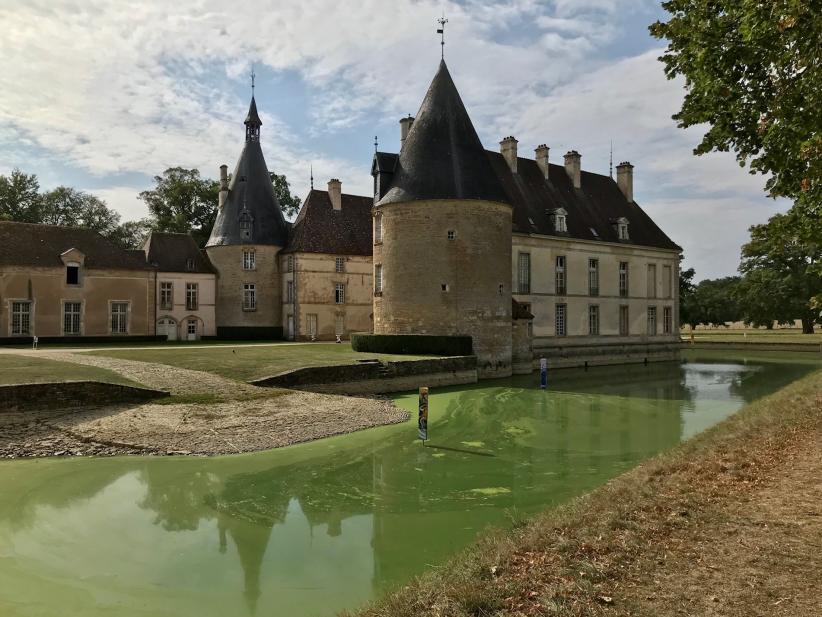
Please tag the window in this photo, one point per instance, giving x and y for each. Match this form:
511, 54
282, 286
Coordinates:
652, 280
593, 277
666, 281
71, 317
622, 228
311, 321
651, 320
339, 293
21, 317
593, 319
289, 292
289, 263
559, 219
119, 317
378, 278
245, 226
524, 286
191, 328
249, 297
624, 323
190, 264
339, 264
444, 287
73, 274
667, 320
452, 235
339, 324
377, 228
166, 295
192, 296
560, 322
249, 260
623, 279
560, 276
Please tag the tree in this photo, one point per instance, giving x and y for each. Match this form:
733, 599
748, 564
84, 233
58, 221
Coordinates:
787, 251
714, 301
764, 298
183, 202
688, 310
289, 204
132, 234
73, 208
20, 197
753, 74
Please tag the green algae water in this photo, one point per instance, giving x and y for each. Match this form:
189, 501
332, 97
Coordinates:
321, 527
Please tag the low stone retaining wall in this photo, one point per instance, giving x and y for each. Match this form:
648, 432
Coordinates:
69, 394
377, 377
567, 356
737, 346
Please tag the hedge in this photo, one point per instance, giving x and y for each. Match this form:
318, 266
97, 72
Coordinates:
416, 344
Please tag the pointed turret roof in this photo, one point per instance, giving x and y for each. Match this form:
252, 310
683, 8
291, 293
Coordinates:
253, 117
442, 157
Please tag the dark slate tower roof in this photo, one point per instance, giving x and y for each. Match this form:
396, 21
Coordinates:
251, 203
442, 157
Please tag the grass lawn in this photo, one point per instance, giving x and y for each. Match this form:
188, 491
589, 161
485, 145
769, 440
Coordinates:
16, 369
247, 363
754, 336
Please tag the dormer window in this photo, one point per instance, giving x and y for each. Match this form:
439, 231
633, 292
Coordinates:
72, 273
622, 228
559, 218
190, 265
245, 226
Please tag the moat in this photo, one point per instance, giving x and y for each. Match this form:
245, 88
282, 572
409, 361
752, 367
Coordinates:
317, 528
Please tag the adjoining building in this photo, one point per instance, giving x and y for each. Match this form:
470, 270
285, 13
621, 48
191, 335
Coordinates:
186, 287
69, 282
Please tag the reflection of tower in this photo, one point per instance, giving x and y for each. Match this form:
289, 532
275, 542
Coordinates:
251, 540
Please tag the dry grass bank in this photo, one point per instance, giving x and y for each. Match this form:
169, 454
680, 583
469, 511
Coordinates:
729, 523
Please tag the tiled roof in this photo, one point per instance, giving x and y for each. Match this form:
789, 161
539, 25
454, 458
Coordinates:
29, 244
321, 229
170, 252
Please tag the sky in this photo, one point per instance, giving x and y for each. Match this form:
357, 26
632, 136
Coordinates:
103, 95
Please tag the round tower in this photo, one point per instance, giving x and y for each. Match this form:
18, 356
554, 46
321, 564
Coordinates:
443, 235
248, 235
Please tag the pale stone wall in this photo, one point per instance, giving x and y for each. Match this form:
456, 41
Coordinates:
522, 350
417, 258
543, 299
314, 279
228, 260
47, 289
205, 312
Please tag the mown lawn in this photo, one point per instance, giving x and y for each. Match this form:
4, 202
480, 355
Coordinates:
247, 363
15, 369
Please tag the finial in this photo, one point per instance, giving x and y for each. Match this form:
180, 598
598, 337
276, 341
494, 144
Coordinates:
312, 176
253, 75
441, 31
376, 144
611, 161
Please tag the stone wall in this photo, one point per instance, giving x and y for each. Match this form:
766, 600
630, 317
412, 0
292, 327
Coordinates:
71, 394
605, 354
377, 377
436, 285
522, 350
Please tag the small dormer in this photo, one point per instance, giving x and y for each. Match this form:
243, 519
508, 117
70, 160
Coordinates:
559, 220
621, 226
246, 222
73, 260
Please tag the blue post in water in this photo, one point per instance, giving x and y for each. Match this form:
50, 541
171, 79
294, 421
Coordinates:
543, 373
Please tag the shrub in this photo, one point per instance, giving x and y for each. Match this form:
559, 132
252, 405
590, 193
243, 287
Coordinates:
413, 344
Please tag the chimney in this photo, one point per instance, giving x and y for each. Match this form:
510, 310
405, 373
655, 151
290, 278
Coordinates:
541, 157
573, 167
405, 127
223, 185
508, 149
625, 180
335, 193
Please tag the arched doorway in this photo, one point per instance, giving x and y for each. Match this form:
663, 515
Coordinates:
192, 328
166, 326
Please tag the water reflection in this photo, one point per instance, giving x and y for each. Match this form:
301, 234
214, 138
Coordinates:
326, 526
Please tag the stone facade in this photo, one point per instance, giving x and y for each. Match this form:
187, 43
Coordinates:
180, 319
446, 270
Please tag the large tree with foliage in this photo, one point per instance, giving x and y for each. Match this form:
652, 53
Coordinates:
688, 311
753, 75
73, 208
786, 251
20, 197
764, 297
714, 301
289, 204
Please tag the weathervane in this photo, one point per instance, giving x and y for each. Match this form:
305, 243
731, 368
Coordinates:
611, 161
312, 176
376, 144
253, 75
441, 31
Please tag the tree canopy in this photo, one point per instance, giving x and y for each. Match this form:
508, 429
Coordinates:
289, 204
753, 74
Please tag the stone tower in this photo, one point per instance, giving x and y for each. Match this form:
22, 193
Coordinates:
244, 245
444, 222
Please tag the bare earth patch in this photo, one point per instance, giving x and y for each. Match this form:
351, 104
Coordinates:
233, 417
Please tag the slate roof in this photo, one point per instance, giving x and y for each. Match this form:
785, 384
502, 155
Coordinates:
250, 191
320, 229
442, 156
252, 117
34, 245
170, 252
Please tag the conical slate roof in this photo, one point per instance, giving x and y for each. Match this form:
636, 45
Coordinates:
442, 157
253, 116
251, 198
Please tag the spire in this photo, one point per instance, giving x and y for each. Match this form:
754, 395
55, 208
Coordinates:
442, 156
252, 122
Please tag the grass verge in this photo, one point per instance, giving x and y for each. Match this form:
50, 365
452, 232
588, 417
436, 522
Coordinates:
18, 369
659, 539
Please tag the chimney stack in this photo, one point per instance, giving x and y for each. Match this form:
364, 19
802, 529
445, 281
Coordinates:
405, 127
573, 167
508, 149
625, 180
223, 186
541, 157
335, 193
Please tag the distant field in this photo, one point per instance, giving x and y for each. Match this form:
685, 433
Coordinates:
16, 369
754, 336
247, 363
